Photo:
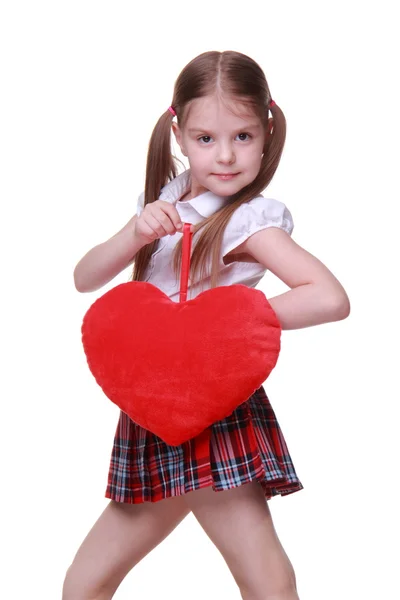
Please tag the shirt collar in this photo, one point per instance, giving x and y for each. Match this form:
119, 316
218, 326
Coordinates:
206, 204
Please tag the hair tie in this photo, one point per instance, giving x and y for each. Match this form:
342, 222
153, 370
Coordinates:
272, 103
172, 111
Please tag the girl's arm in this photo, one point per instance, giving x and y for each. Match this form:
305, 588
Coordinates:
103, 262
315, 297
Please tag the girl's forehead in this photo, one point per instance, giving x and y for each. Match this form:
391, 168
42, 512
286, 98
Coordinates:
214, 108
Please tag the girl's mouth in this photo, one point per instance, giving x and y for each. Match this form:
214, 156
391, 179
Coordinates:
225, 176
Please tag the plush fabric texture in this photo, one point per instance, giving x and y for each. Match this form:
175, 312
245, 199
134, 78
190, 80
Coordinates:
222, 344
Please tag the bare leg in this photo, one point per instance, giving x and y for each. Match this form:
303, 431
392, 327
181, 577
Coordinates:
120, 538
239, 523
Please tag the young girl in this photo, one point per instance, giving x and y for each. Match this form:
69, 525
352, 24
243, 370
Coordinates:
233, 134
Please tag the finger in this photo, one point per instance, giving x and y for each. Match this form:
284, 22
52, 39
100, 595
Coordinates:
160, 211
154, 223
147, 232
173, 215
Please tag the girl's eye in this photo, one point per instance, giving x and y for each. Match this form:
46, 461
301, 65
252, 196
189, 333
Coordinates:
205, 139
243, 137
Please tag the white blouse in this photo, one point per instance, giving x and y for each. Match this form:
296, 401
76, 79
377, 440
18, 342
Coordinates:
249, 218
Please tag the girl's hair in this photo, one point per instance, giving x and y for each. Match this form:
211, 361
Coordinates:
231, 75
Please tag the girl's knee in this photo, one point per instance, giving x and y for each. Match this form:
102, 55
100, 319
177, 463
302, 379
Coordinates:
286, 591
278, 585
76, 589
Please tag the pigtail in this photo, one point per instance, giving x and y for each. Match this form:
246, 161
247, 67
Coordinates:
274, 145
160, 168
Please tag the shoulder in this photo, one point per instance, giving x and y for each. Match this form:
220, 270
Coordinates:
256, 215
261, 211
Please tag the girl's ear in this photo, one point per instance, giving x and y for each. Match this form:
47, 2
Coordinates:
178, 137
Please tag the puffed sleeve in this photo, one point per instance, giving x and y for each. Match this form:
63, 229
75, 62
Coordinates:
259, 213
140, 204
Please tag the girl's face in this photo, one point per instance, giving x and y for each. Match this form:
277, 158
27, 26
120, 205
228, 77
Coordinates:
224, 148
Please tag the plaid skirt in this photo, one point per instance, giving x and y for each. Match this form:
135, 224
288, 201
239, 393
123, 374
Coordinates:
246, 446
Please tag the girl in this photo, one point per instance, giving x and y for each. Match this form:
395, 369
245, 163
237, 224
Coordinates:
233, 134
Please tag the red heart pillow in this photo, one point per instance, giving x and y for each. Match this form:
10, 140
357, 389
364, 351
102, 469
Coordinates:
176, 368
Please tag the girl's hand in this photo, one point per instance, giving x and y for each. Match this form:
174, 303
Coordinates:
157, 220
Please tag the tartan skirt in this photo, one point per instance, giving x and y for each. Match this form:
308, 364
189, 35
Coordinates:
247, 445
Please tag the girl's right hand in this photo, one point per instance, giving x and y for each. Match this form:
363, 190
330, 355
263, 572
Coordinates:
157, 220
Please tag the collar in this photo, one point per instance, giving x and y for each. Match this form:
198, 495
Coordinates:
205, 204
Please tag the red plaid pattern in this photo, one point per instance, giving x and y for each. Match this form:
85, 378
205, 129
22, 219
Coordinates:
246, 446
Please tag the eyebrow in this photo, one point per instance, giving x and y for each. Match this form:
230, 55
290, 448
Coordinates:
245, 127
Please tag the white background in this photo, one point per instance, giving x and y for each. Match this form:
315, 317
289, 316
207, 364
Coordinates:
83, 84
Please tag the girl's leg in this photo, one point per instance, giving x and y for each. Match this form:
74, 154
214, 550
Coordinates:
120, 538
239, 523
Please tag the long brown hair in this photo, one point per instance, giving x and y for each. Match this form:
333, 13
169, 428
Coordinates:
230, 74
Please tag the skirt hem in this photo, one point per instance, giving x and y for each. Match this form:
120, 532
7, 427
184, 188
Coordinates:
269, 492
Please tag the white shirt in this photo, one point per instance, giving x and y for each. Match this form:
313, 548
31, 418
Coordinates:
249, 218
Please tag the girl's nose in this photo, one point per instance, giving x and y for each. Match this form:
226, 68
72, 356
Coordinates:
226, 154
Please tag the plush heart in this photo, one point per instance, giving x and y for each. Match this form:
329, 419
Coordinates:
176, 368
